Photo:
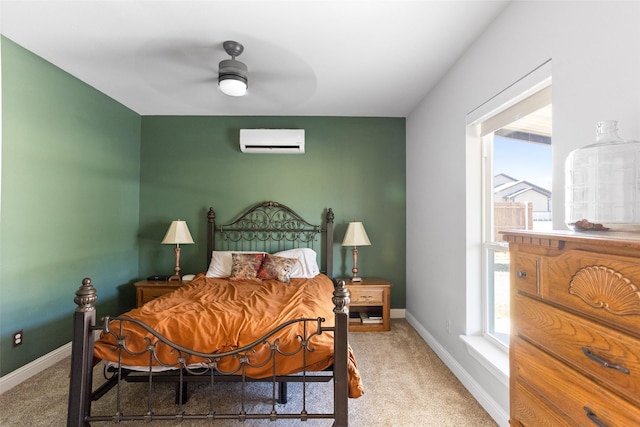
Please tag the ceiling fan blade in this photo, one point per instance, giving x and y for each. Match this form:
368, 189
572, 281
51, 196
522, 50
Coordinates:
166, 65
285, 89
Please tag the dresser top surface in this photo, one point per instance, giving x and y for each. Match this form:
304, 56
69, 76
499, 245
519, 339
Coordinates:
626, 239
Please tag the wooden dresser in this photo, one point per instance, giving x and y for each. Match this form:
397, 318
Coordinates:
575, 332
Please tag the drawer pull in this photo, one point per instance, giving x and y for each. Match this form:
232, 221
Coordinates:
521, 274
593, 417
602, 362
538, 276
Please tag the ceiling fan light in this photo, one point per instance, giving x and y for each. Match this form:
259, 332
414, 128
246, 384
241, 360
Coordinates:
232, 85
232, 77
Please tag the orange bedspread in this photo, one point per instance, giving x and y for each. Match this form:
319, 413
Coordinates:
217, 315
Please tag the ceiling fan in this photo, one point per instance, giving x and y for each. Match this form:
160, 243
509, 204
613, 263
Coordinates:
233, 79
184, 70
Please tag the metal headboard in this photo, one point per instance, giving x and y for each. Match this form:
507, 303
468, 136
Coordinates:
272, 227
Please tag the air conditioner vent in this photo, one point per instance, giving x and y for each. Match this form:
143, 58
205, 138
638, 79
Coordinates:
272, 141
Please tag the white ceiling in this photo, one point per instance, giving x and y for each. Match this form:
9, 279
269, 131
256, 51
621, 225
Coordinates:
327, 58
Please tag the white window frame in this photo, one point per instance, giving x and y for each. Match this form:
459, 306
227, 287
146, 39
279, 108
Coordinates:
487, 230
489, 351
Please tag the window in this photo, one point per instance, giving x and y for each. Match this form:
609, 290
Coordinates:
516, 193
508, 167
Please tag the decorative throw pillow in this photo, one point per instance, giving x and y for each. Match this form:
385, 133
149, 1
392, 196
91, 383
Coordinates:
306, 267
245, 266
221, 262
275, 267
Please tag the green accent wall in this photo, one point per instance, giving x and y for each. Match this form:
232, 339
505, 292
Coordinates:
70, 202
89, 188
356, 166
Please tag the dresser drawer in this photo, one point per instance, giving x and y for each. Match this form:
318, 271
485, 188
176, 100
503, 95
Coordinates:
582, 344
366, 296
569, 392
529, 410
603, 287
525, 273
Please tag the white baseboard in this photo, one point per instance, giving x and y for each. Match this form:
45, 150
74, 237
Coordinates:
397, 313
497, 412
25, 372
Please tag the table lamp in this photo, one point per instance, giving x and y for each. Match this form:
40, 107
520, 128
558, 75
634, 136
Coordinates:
178, 233
355, 236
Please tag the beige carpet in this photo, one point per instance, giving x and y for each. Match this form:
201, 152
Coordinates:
406, 384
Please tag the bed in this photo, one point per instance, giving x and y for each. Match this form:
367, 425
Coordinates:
264, 310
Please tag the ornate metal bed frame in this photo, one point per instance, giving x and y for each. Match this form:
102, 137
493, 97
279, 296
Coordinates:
268, 226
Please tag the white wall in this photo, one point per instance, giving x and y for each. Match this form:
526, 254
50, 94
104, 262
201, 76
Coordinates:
595, 52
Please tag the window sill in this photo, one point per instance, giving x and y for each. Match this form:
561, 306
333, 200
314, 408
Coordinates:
494, 359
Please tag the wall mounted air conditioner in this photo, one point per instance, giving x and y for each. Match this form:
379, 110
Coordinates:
273, 141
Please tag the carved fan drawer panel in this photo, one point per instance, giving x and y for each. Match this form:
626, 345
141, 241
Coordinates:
366, 296
572, 396
603, 354
601, 287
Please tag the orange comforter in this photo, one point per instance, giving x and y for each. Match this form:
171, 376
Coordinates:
218, 315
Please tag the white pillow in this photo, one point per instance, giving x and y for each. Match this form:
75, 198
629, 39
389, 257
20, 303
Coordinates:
306, 267
221, 262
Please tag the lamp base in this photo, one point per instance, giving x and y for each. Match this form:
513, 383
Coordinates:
356, 279
175, 277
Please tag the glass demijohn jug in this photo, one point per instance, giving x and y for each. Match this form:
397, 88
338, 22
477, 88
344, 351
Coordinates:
602, 182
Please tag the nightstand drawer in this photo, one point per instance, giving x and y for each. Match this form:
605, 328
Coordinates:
366, 296
148, 290
152, 293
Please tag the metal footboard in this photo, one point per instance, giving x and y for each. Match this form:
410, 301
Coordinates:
208, 369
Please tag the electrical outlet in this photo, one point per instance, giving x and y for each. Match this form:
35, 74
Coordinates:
448, 326
18, 337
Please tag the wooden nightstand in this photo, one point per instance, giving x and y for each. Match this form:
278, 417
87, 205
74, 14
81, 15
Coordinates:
370, 297
146, 290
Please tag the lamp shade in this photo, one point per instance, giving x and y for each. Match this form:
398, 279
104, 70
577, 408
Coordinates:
356, 235
178, 233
